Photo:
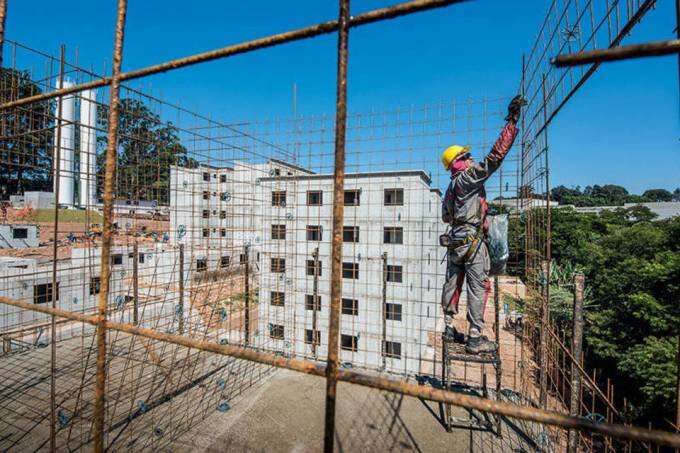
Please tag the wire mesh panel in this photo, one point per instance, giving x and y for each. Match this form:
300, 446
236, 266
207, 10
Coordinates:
157, 263
569, 26
165, 274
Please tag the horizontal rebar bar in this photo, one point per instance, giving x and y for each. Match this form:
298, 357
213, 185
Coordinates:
377, 382
311, 31
650, 49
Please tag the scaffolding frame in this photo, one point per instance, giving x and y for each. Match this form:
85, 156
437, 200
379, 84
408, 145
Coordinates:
331, 370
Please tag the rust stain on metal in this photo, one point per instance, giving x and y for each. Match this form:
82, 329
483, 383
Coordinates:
107, 231
375, 381
338, 220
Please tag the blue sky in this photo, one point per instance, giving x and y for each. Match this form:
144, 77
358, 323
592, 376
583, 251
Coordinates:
623, 127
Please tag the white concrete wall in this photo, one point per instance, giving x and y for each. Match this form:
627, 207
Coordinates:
418, 255
9, 236
39, 200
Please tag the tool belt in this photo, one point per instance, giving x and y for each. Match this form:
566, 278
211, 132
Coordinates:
445, 240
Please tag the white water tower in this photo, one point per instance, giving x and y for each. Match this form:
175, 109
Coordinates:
65, 131
88, 149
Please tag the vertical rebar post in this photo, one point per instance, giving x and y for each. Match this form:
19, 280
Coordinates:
497, 334
384, 311
56, 157
545, 319
3, 20
548, 214
545, 310
338, 219
576, 351
180, 322
107, 226
520, 189
246, 298
135, 282
315, 296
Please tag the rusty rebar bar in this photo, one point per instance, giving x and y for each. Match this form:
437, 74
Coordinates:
246, 298
576, 350
372, 380
3, 21
650, 49
545, 299
56, 159
383, 346
315, 295
338, 219
135, 282
180, 321
646, 6
107, 230
312, 31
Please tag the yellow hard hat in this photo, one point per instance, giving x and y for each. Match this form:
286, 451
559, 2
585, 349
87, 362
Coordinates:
452, 153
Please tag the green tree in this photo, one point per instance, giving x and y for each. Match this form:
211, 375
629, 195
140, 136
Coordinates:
606, 195
657, 195
147, 148
632, 268
26, 145
565, 195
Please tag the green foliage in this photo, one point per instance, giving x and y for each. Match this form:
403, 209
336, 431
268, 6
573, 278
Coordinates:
26, 143
147, 148
657, 195
632, 268
652, 364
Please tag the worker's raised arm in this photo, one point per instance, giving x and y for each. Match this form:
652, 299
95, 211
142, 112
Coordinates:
500, 149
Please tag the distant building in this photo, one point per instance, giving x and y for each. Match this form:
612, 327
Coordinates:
391, 267
34, 200
15, 236
663, 209
215, 207
514, 205
130, 207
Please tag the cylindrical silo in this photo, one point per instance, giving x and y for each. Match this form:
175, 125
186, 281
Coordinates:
88, 148
66, 144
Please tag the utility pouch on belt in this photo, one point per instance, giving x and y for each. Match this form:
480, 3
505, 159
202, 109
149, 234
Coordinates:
445, 240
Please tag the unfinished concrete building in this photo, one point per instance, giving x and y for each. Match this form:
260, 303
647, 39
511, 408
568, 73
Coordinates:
391, 268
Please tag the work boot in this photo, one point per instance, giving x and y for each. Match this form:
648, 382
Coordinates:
480, 345
451, 334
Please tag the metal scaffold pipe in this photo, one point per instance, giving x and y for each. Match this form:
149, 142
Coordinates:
107, 230
651, 49
338, 221
373, 381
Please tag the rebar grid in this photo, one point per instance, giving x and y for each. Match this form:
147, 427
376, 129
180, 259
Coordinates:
190, 302
570, 27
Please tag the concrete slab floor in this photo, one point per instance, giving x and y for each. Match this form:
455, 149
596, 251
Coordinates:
286, 414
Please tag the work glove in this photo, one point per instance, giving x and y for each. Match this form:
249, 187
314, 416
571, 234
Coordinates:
515, 108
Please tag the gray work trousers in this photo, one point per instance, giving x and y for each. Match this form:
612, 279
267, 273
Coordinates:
475, 272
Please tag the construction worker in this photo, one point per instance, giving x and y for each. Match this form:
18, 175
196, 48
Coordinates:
464, 209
